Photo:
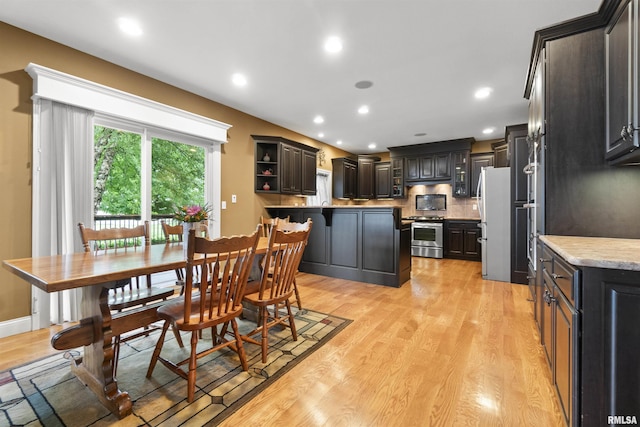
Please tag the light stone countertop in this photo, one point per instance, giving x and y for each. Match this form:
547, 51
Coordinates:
599, 252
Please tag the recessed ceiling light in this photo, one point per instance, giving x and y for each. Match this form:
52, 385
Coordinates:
333, 44
239, 79
318, 119
339, 142
364, 84
420, 134
372, 145
321, 135
129, 26
488, 131
483, 92
364, 109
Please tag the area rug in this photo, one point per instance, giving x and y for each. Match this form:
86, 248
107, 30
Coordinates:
45, 392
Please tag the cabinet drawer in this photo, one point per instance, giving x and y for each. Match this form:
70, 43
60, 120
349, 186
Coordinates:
566, 278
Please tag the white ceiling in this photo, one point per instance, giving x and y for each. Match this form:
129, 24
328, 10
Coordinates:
425, 58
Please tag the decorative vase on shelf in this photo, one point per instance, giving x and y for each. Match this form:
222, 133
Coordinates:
266, 186
266, 158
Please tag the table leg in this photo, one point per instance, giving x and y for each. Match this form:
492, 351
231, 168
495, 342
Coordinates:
95, 369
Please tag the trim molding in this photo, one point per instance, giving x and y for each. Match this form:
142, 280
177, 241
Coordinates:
72, 90
567, 28
15, 326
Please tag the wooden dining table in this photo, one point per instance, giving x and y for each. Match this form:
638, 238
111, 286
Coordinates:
98, 325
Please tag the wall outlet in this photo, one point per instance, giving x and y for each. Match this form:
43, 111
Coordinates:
233, 198
474, 207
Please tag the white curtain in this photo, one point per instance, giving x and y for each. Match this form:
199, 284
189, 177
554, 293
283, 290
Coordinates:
63, 190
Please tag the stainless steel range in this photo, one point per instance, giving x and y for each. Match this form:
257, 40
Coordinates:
427, 236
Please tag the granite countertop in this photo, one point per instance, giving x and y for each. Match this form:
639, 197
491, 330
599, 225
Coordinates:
599, 252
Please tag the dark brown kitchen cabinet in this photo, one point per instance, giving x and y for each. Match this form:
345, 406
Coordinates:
560, 335
291, 169
623, 124
610, 345
397, 176
460, 180
366, 177
478, 161
383, 180
461, 239
516, 137
435, 166
345, 178
501, 154
309, 170
284, 166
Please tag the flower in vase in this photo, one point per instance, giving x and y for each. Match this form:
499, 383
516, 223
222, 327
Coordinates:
192, 213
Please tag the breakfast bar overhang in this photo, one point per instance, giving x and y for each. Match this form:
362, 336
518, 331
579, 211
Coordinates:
364, 243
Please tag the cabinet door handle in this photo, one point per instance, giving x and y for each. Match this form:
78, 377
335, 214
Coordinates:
548, 298
557, 276
543, 260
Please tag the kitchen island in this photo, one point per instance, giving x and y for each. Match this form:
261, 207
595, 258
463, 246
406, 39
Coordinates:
363, 243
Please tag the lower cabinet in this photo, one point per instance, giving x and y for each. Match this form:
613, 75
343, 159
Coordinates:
589, 331
461, 240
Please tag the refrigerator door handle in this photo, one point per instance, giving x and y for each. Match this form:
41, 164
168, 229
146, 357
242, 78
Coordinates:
478, 195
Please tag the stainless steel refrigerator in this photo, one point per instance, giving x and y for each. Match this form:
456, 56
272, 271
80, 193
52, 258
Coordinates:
494, 202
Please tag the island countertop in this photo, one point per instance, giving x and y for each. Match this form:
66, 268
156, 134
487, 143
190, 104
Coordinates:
598, 252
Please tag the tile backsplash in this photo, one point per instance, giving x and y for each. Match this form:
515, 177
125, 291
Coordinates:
456, 207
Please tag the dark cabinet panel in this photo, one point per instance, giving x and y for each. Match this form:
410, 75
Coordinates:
383, 180
377, 232
284, 166
500, 154
611, 343
291, 169
461, 240
622, 138
460, 174
435, 167
397, 176
366, 177
309, 182
427, 167
478, 161
345, 178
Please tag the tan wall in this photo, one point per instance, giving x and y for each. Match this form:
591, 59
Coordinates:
19, 48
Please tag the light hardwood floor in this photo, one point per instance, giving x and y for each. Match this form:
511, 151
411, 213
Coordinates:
445, 349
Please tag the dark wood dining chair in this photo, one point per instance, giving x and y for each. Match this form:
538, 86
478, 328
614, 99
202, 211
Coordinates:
228, 262
284, 253
123, 294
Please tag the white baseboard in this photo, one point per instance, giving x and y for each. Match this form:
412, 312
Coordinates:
15, 326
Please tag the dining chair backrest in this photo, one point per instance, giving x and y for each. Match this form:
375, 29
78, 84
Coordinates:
226, 263
284, 253
114, 238
267, 224
172, 233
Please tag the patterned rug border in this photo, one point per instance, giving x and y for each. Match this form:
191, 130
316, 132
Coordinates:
221, 416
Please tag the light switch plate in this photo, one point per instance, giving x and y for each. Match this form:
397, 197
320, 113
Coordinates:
233, 198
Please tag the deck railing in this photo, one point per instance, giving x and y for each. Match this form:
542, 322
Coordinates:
130, 221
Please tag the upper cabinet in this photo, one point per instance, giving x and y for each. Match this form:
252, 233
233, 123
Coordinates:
383, 180
501, 154
460, 174
436, 166
345, 178
284, 166
478, 161
366, 177
621, 40
397, 178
